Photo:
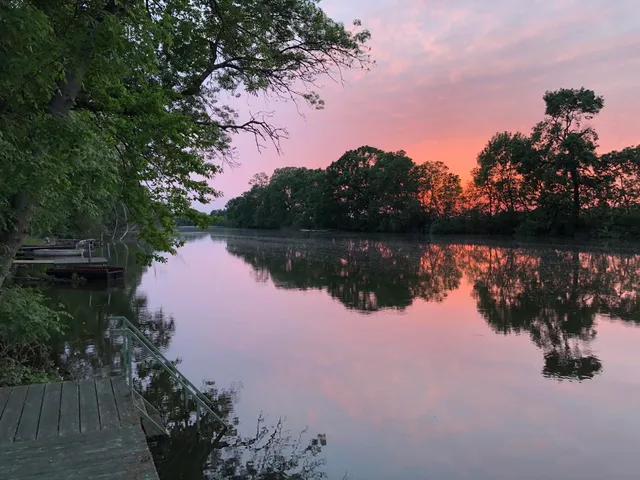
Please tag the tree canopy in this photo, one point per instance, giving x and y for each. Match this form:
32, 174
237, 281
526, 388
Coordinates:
110, 106
367, 189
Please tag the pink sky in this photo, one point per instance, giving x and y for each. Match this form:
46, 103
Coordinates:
451, 73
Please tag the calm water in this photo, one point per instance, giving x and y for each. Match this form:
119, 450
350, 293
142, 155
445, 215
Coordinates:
415, 359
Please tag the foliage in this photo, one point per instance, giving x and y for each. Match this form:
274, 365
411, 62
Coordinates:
439, 190
499, 174
549, 182
554, 179
26, 326
366, 189
113, 109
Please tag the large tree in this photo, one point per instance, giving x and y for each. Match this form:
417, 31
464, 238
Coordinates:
348, 185
125, 100
567, 146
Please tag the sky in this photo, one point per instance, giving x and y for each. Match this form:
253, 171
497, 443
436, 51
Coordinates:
451, 73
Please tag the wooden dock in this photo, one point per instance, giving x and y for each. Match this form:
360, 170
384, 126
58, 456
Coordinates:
61, 261
72, 430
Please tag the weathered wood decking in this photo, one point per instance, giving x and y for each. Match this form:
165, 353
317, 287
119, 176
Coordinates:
72, 430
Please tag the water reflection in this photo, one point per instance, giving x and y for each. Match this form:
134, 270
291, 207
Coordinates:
191, 452
553, 295
85, 350
362, 274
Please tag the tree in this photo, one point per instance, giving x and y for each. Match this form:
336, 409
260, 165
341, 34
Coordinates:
499, 172
295, 196
131, 93
247, 210
348, 187
259, 180
622, 182
366, 189
567, 146
439, 190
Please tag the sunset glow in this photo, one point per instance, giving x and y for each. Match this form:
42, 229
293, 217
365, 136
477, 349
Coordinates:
450, 74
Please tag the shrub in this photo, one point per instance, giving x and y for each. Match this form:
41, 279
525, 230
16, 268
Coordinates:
26, 326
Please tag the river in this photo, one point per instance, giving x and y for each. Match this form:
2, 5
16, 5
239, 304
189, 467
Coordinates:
409, 358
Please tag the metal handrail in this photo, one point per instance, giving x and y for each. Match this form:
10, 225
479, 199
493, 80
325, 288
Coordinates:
130, 330
147, 406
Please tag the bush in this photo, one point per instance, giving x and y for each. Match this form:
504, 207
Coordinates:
26, 326
449, 226
627, 223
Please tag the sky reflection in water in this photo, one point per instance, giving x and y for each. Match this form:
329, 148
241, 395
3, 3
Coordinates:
419, 360
442, 360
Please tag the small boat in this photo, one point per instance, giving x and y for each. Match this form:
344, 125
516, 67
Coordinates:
90, 273
57, 252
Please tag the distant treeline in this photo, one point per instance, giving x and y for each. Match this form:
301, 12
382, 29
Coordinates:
551, 181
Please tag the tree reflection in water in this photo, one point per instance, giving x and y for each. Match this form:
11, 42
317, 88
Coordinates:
190, 452
363, 274
549, 295
85, 351
553, 295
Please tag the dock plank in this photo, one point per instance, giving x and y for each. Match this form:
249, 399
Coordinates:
28, 427
69, 409
50, 415
107, 404
73, 431
89, 414
12, 413
95, 455
124, 400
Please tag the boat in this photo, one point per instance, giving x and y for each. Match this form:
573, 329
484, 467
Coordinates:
57, 252
90, 273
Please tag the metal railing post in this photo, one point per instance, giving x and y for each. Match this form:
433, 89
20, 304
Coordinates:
130, 334
130, 360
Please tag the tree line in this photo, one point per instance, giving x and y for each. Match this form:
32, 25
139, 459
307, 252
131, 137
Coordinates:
551, 181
